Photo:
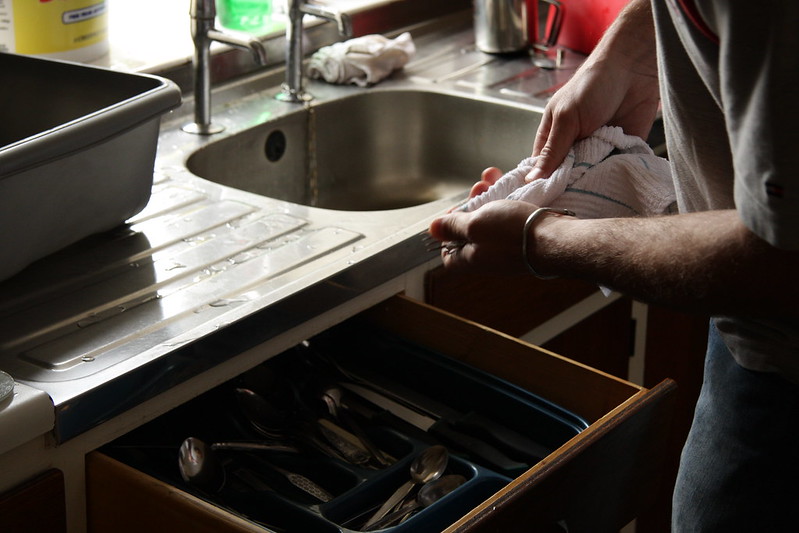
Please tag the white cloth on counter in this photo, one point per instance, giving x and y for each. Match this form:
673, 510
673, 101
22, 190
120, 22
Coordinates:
609, 174
362, 61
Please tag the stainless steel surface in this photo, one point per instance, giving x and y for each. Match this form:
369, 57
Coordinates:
500, 26
508, 26
388, 148
75, 160
292, 90
208, 271
203, 32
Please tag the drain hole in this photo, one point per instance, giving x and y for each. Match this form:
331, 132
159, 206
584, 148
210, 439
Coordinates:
275, 146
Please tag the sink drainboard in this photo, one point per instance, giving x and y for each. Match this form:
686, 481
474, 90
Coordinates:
178, 269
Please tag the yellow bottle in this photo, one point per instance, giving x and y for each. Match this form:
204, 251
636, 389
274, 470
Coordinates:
75, 30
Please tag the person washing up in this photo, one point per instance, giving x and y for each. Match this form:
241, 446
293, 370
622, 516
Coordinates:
725, 73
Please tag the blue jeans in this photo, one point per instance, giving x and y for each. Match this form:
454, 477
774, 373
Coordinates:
739, 469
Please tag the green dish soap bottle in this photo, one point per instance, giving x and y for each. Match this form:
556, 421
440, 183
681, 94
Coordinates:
244, 15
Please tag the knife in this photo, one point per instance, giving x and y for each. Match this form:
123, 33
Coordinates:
480, 450
512, 442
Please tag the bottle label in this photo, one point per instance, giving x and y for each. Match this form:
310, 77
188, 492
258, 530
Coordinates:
40, 27
6, 26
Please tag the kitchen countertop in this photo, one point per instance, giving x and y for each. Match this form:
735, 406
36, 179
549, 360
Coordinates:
24, 415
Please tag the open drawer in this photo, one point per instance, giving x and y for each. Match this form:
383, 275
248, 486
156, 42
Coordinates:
594, 458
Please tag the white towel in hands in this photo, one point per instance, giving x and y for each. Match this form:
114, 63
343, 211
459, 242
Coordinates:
362, 61
609, 174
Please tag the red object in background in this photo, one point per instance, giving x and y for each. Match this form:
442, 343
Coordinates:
585, 21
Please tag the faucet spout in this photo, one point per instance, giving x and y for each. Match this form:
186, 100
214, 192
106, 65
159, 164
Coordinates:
203, 32
243, 41
292, 90
342, 20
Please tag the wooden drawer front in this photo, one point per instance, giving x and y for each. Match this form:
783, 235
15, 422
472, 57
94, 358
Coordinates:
601, 479
597, 481
37, 505
120, 499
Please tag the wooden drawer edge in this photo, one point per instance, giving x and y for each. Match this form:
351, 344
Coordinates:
581, 389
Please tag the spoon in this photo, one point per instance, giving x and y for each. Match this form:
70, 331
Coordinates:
333, 398
199, 466
427, 496
429, 465
264, 419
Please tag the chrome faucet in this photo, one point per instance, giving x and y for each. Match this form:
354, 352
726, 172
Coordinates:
203, 32
292, 90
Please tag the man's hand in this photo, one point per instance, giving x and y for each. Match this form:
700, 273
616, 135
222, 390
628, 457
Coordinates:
492, 237
616, 86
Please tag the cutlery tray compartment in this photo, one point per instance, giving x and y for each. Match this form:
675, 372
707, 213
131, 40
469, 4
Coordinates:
501, 432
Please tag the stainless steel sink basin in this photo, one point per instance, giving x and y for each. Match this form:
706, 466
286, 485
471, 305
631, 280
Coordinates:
373, 150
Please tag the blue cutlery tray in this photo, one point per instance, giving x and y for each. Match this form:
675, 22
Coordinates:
382, 363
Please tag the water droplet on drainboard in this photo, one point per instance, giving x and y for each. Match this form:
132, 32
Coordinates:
87, 359
88, 321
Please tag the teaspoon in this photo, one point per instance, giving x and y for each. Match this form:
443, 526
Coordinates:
427, 496
429, 465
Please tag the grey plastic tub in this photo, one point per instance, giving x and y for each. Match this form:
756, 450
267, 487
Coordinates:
77, 149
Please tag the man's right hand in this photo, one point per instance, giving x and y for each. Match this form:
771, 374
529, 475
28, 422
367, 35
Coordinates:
616, 86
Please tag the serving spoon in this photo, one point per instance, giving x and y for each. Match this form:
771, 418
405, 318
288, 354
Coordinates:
199, 466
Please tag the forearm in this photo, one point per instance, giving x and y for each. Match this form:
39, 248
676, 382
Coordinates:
702, 262
629, 43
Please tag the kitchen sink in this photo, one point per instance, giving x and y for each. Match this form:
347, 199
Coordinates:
372, 150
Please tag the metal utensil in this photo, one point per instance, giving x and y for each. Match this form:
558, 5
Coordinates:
333, 396
244, 446
443, 431
472, 423
199, 466
261, 415
429, 465
427, 496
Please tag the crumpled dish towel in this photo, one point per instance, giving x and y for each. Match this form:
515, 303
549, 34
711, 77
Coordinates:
361, 61
609, 174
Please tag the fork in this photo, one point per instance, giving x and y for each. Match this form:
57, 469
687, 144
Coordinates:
432, 244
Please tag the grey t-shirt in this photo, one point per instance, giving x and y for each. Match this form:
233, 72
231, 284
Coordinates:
730, 91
